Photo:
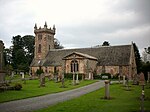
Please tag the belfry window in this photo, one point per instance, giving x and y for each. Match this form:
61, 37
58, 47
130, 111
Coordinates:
49, 47
39, 48
74, 66
39, 37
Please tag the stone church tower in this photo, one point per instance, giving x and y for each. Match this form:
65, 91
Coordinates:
44, 41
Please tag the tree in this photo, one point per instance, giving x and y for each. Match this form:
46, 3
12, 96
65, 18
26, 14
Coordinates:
28, 46
8, 55
22, 52
57, 44
17, 51
137, 58
145, 69
106, 43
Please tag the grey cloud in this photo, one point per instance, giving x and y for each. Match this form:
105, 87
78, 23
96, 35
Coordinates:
87, 33
139, 7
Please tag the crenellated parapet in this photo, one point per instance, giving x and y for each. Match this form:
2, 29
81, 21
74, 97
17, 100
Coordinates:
45, 29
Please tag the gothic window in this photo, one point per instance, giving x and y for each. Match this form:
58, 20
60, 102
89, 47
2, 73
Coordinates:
39, 37
39, 48
46, 70
55, 70
74, 66
49, 47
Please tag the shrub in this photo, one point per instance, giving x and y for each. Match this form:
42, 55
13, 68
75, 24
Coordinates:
39, 71
18, 86
70, 76
97, 76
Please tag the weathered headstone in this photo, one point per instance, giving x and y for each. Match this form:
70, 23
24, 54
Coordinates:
74, 82
124, 80
62, 82
56, 78
89, 75
127, 82
63, 78
135, 79
142, 83
119, 78
107, 93
42, 80
142, 79
22, 75
77, 78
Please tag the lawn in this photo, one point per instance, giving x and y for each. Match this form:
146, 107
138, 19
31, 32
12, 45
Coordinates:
121, 101
31, 89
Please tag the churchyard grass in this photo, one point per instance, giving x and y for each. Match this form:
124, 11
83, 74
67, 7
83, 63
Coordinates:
121, 101
16, 77
31, 89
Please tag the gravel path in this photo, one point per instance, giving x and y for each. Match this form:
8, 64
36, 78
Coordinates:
35, 103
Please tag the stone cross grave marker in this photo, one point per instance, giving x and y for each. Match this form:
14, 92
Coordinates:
142, 83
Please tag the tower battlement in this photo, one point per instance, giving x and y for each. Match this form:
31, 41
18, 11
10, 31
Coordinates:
45, 29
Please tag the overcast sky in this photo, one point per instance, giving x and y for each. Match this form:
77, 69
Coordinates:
79, 23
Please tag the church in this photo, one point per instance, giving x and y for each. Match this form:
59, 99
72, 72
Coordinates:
104, 59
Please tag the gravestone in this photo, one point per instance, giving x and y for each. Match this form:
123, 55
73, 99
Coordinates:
77, 79
107, 93
74, 82
142, 83
89, 75
22, 75
142, 79
124, 80
119, 78
136, 79
42, 80
127, 82
63, 80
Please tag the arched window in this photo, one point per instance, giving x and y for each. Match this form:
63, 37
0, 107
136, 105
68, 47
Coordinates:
74, 66
40, 37
39, 48
49, 47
